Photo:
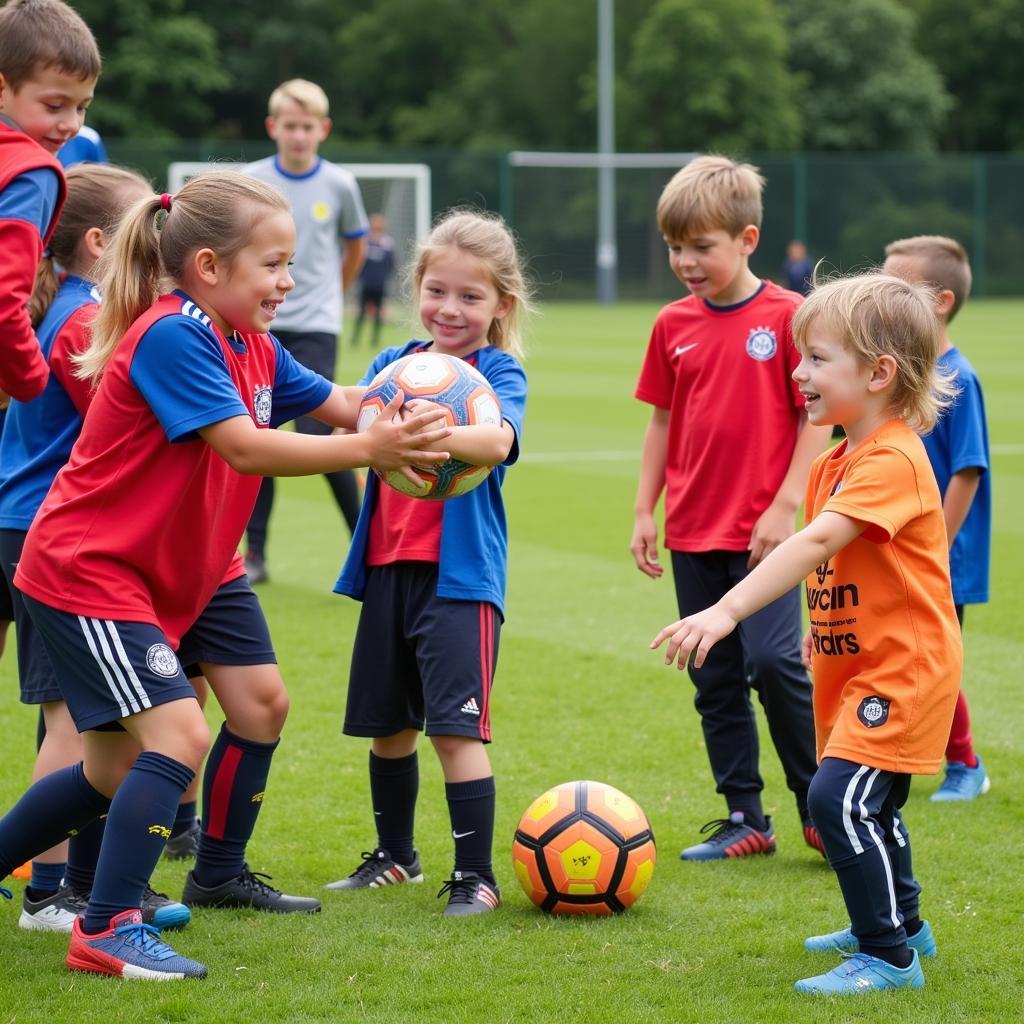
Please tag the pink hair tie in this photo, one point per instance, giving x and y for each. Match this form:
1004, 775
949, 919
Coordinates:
165, 201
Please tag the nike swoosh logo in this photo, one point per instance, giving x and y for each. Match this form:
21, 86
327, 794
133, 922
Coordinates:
680, 349
462, 835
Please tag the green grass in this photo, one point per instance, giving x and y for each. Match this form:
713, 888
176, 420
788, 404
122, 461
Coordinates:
577, 695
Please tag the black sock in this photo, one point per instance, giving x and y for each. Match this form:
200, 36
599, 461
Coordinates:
471, 809
898, 956
749, 805
912, 925
184, 818
83, 855
394, 786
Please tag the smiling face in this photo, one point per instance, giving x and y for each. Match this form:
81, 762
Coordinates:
713, 264
458, 302
49, 107
246, 292
298, 135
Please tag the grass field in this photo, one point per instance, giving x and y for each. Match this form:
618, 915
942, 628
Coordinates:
578, 695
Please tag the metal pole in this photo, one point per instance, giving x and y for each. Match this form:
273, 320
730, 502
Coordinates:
607, 250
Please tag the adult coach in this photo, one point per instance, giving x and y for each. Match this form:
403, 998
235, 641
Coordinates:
331, 229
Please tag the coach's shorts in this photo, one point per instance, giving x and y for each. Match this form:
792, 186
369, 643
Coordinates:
35, 670
419, 658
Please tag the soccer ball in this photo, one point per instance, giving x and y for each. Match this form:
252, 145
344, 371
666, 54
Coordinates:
584, 848
450, 382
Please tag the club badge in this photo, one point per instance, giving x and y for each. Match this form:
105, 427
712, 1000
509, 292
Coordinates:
873, 711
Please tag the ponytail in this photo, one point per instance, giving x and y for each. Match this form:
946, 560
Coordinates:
44, 290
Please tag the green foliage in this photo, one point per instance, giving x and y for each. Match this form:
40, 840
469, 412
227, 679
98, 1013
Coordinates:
865, 87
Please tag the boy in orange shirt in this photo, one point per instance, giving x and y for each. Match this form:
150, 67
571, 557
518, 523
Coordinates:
884, 645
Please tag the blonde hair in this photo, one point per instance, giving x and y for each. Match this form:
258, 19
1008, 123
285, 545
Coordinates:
943, 263
878, 314
308, 95
36, 34
217, 210
486, 237
710, 193
98, 196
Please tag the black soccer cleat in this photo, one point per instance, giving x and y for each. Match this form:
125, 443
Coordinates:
185, 845
380, 869
468, 894
246, 890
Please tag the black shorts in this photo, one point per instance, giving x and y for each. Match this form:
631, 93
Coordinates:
421, 659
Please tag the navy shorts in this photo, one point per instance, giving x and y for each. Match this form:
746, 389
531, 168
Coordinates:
421, 659
232, 630
35, 670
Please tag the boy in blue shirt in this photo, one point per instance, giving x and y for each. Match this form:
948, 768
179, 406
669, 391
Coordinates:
959, 454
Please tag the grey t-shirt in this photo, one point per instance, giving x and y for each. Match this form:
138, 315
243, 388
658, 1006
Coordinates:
328, 209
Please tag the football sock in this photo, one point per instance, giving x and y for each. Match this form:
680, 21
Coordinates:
471, 809
184, 818
83, 854
749, 805
960, 746
52, 808
898, 956
233, 786
137, 828
394, 786
912, 925
46, 878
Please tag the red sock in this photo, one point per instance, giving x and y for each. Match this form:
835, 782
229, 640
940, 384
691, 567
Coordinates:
960, 748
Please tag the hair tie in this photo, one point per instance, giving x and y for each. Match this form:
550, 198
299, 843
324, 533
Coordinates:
47, 254
165, 201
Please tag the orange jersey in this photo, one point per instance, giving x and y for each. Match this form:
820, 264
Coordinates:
886, 650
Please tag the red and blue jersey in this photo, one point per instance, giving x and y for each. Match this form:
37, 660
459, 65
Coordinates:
32, 191
38, 435
143, 523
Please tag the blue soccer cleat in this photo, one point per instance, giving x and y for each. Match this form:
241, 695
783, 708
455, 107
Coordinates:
129, 949
860, 973
962, 783
844, 942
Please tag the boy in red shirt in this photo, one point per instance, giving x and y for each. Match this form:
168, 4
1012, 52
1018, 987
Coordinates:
730, 445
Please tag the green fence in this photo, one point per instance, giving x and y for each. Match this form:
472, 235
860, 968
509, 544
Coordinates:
846, 207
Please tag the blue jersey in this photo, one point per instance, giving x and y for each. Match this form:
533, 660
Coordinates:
473, 564
39, 434
960, 441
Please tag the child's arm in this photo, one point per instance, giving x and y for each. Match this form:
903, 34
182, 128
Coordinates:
963, 486
782, 569
644, 542
341, 407
778, 521
23, 370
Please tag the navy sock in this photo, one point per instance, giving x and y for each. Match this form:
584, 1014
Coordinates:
233, 786
471, 809
83, 854
749, 804
184, 818
46, 878
394, 786
54, 807
137, 828
898, 956
912, 925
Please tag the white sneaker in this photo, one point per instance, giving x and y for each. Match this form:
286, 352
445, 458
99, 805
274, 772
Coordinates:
55, 913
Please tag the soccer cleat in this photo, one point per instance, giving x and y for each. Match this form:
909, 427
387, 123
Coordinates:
468, 894
812, 837
859, 973
129, 949
54, 913
378, 870
962, 783
256, 568
731, 838
162, 912
185, 845
247, 890
844, 942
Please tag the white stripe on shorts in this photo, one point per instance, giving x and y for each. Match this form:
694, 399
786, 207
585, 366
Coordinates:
129, 668
848, 808
868, 824
113, 672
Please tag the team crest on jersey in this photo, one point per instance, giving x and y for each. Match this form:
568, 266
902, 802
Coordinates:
761, 344
321, 211
873, 711
162, 661
262, 401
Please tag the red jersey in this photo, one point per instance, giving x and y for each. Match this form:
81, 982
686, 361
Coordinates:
724, 373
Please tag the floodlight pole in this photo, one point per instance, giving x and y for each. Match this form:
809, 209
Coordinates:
607, 249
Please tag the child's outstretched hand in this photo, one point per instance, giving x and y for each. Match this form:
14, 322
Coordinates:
696, 635
400, 441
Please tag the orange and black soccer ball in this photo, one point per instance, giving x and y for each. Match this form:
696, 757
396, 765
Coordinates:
584, 848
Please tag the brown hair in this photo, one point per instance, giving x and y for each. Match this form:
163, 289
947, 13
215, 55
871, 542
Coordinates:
878, 314
98, 196
487, 237
38, 34
216, 210
942, 262
710, 193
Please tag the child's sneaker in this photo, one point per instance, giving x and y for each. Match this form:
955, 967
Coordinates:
861, 973
162, 912
468, 894
962, 783
129, 949
731, 838
246, 890
812, 837
379, 869
844, 942
53, 913
185, 845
